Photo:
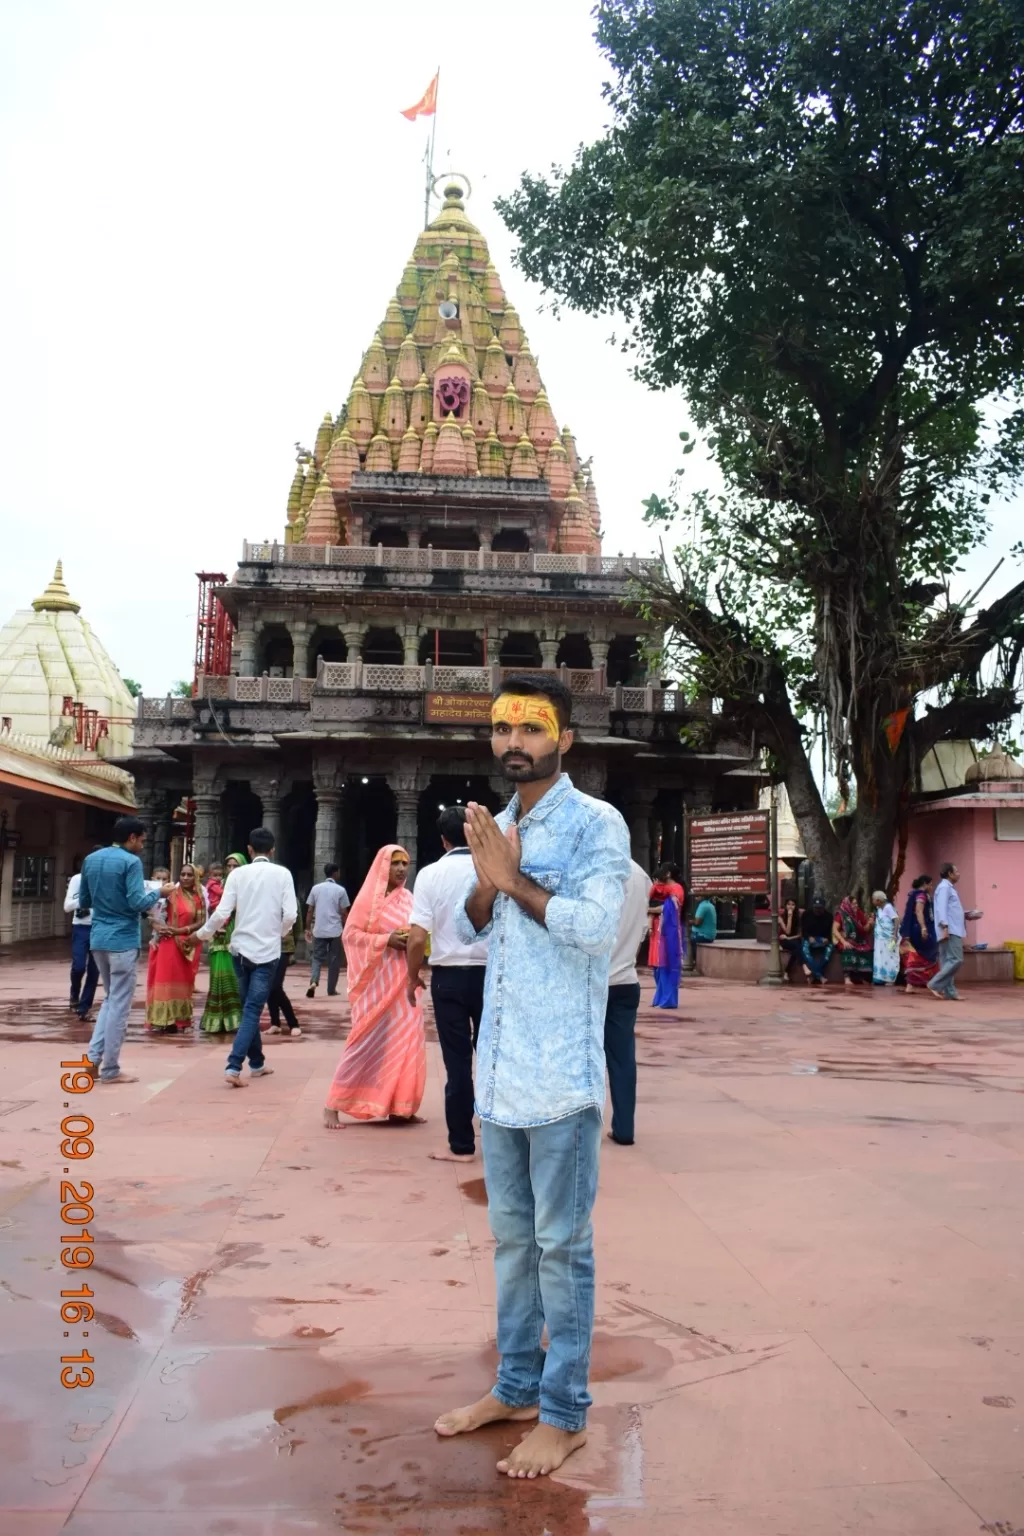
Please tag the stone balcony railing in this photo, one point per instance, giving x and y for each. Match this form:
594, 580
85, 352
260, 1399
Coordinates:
353, 567
353, 692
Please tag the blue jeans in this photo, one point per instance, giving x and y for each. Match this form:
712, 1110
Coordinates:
951, 958
117, 969
541, 1186
83, 963
620, 1055
254, 984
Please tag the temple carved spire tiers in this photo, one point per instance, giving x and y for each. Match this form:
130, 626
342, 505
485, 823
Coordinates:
448, 387
375, 371
342, 460
321, 448
56, 598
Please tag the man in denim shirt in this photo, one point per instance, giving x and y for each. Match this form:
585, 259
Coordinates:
112, 885
550, 880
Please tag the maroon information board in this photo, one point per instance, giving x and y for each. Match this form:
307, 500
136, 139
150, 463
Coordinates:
729, 853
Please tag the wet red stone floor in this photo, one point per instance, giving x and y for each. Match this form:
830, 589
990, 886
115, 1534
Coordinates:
810, 1286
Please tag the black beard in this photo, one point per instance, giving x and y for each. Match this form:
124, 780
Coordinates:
529, 770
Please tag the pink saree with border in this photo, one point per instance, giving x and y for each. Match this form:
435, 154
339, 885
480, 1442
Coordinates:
383, 1068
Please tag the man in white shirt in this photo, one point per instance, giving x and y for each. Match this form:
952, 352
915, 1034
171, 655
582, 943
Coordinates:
261, 898
457, 973
951, 928
623, 1002
326, 906
82, 962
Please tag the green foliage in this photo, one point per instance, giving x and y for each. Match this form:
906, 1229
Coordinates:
181, 689
134, 688
808, 214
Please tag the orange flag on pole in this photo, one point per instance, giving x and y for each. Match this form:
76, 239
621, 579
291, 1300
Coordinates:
427, 104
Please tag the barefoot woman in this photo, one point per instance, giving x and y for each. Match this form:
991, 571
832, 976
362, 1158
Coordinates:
551, 874
383, 1069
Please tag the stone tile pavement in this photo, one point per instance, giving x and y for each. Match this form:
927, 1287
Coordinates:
810, 1314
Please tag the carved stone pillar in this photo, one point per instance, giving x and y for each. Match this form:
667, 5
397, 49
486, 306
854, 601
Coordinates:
146, 806
300, 633
492, 644
589, 775
638, 819
206, 834
268, 788
599, 654
404, 784
354, 636
163, 829
502, 789
548, 654
327, 781
244, 648
411, 645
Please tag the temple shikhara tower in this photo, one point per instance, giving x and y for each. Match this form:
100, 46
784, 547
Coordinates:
442, 529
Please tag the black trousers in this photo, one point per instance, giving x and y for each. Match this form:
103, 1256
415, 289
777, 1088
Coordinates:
279, 1002
457, 992
620, 1054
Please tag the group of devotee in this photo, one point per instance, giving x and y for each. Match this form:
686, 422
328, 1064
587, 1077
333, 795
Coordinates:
878, 947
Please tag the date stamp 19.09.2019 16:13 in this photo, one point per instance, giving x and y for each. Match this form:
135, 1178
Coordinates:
76, 1211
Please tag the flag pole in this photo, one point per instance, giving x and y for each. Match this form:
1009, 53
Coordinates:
430, 152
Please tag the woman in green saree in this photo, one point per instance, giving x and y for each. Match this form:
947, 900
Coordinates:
223, 1011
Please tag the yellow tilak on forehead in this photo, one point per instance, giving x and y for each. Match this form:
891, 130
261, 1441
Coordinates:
514, 709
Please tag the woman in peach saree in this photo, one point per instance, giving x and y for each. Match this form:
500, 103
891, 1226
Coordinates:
383, 1069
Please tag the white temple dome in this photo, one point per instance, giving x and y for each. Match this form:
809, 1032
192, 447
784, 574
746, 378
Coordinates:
48, 653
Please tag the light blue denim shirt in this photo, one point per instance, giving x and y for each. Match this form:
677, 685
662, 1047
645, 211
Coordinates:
112, 885
540, 1056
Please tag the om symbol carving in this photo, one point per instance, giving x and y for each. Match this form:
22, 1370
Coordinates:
453, 395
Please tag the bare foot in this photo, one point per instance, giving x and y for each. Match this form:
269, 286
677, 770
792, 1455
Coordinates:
446, 1155
331, 1120
541, 1451
487, 1411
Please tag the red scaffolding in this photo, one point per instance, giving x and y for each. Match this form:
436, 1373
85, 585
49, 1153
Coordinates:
214, 629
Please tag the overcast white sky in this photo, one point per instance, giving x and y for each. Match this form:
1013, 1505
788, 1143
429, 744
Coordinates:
205, 208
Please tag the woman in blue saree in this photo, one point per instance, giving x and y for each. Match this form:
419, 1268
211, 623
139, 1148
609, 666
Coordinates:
669, 956
920, 947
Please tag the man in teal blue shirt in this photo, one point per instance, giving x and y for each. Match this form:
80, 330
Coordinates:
112, 885
705, 922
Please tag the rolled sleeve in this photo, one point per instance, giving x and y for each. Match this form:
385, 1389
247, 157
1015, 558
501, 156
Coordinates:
464, 929
589, 920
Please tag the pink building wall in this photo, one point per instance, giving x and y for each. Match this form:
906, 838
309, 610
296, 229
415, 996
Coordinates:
991, 872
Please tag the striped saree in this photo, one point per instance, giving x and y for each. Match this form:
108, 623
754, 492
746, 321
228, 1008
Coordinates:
383, 1068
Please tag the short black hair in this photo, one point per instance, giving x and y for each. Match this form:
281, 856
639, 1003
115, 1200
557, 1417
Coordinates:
921, 881
452, 825
332, 869
126, 827
522, 685
946, 870
261, 840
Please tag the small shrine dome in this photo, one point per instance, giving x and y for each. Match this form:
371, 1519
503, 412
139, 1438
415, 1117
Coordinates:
996, 767
48, 653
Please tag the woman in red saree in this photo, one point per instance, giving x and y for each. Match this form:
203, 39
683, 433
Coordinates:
383, 1070
174, 958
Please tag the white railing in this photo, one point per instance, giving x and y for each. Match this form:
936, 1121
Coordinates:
492, 562
68, 757
239, 690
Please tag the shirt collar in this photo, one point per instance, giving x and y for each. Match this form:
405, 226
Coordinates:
546, 804
261, 858
449, 851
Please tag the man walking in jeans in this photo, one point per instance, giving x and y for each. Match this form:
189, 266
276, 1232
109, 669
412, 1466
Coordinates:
261, 896
113, 887
951, 927
326, 906
456, 977
550, 877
